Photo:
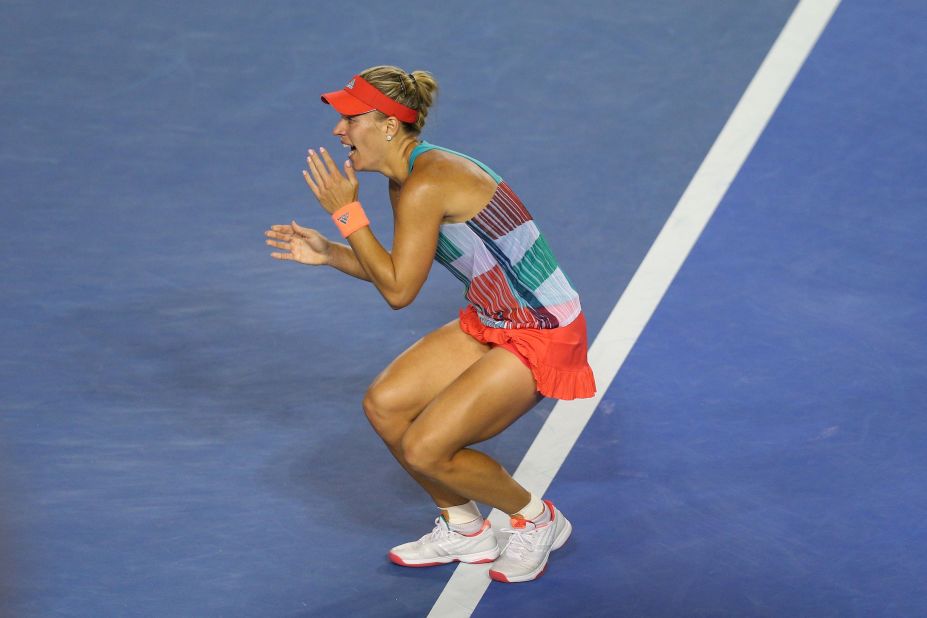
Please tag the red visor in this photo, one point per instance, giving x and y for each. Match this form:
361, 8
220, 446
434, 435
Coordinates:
359, 97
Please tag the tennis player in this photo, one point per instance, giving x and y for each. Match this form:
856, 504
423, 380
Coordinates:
521, 336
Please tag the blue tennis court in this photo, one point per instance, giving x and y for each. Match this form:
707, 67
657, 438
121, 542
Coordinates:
180, 422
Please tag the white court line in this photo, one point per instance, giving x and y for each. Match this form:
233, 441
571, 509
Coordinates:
667, 254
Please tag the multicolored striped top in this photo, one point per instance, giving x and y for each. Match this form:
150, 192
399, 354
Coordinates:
512, 279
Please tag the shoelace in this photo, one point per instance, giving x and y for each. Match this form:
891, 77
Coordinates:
522, 540
440, 531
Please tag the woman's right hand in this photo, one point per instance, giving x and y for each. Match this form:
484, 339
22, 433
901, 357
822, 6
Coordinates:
298, 244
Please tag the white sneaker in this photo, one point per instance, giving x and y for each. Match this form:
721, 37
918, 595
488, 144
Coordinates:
524, 557
443, 545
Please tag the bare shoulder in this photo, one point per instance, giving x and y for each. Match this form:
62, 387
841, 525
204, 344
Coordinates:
459, 185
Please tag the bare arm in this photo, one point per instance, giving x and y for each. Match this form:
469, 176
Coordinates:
342, 257
400, 274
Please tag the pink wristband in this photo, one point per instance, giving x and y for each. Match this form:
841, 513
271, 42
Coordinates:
350, 218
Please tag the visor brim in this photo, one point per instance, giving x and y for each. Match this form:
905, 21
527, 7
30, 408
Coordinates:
346, 104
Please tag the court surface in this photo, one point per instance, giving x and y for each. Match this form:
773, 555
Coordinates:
180, 422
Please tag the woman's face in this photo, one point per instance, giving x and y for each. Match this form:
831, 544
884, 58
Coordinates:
364, 137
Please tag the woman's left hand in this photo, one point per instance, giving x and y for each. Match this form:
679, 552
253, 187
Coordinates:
328, 185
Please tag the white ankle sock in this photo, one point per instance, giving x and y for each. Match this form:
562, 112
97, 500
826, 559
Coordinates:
464, 518
535, 510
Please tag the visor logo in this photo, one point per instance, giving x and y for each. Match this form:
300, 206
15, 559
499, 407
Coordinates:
350, 84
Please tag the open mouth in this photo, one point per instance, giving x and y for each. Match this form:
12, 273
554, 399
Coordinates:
351, 149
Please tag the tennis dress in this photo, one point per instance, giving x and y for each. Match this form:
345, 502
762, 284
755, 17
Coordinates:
517, 295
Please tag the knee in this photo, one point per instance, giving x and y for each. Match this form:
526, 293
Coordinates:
383, 408
425, 454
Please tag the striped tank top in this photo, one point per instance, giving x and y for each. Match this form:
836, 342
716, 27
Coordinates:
510, 275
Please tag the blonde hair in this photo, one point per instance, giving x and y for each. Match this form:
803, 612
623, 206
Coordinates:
417, 90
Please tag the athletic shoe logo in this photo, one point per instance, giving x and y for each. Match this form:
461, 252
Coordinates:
344, 218
350, 84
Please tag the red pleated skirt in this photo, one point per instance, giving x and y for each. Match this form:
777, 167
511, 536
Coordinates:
555, 356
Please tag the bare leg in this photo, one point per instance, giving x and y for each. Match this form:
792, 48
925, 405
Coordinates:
485, 399
405, 388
